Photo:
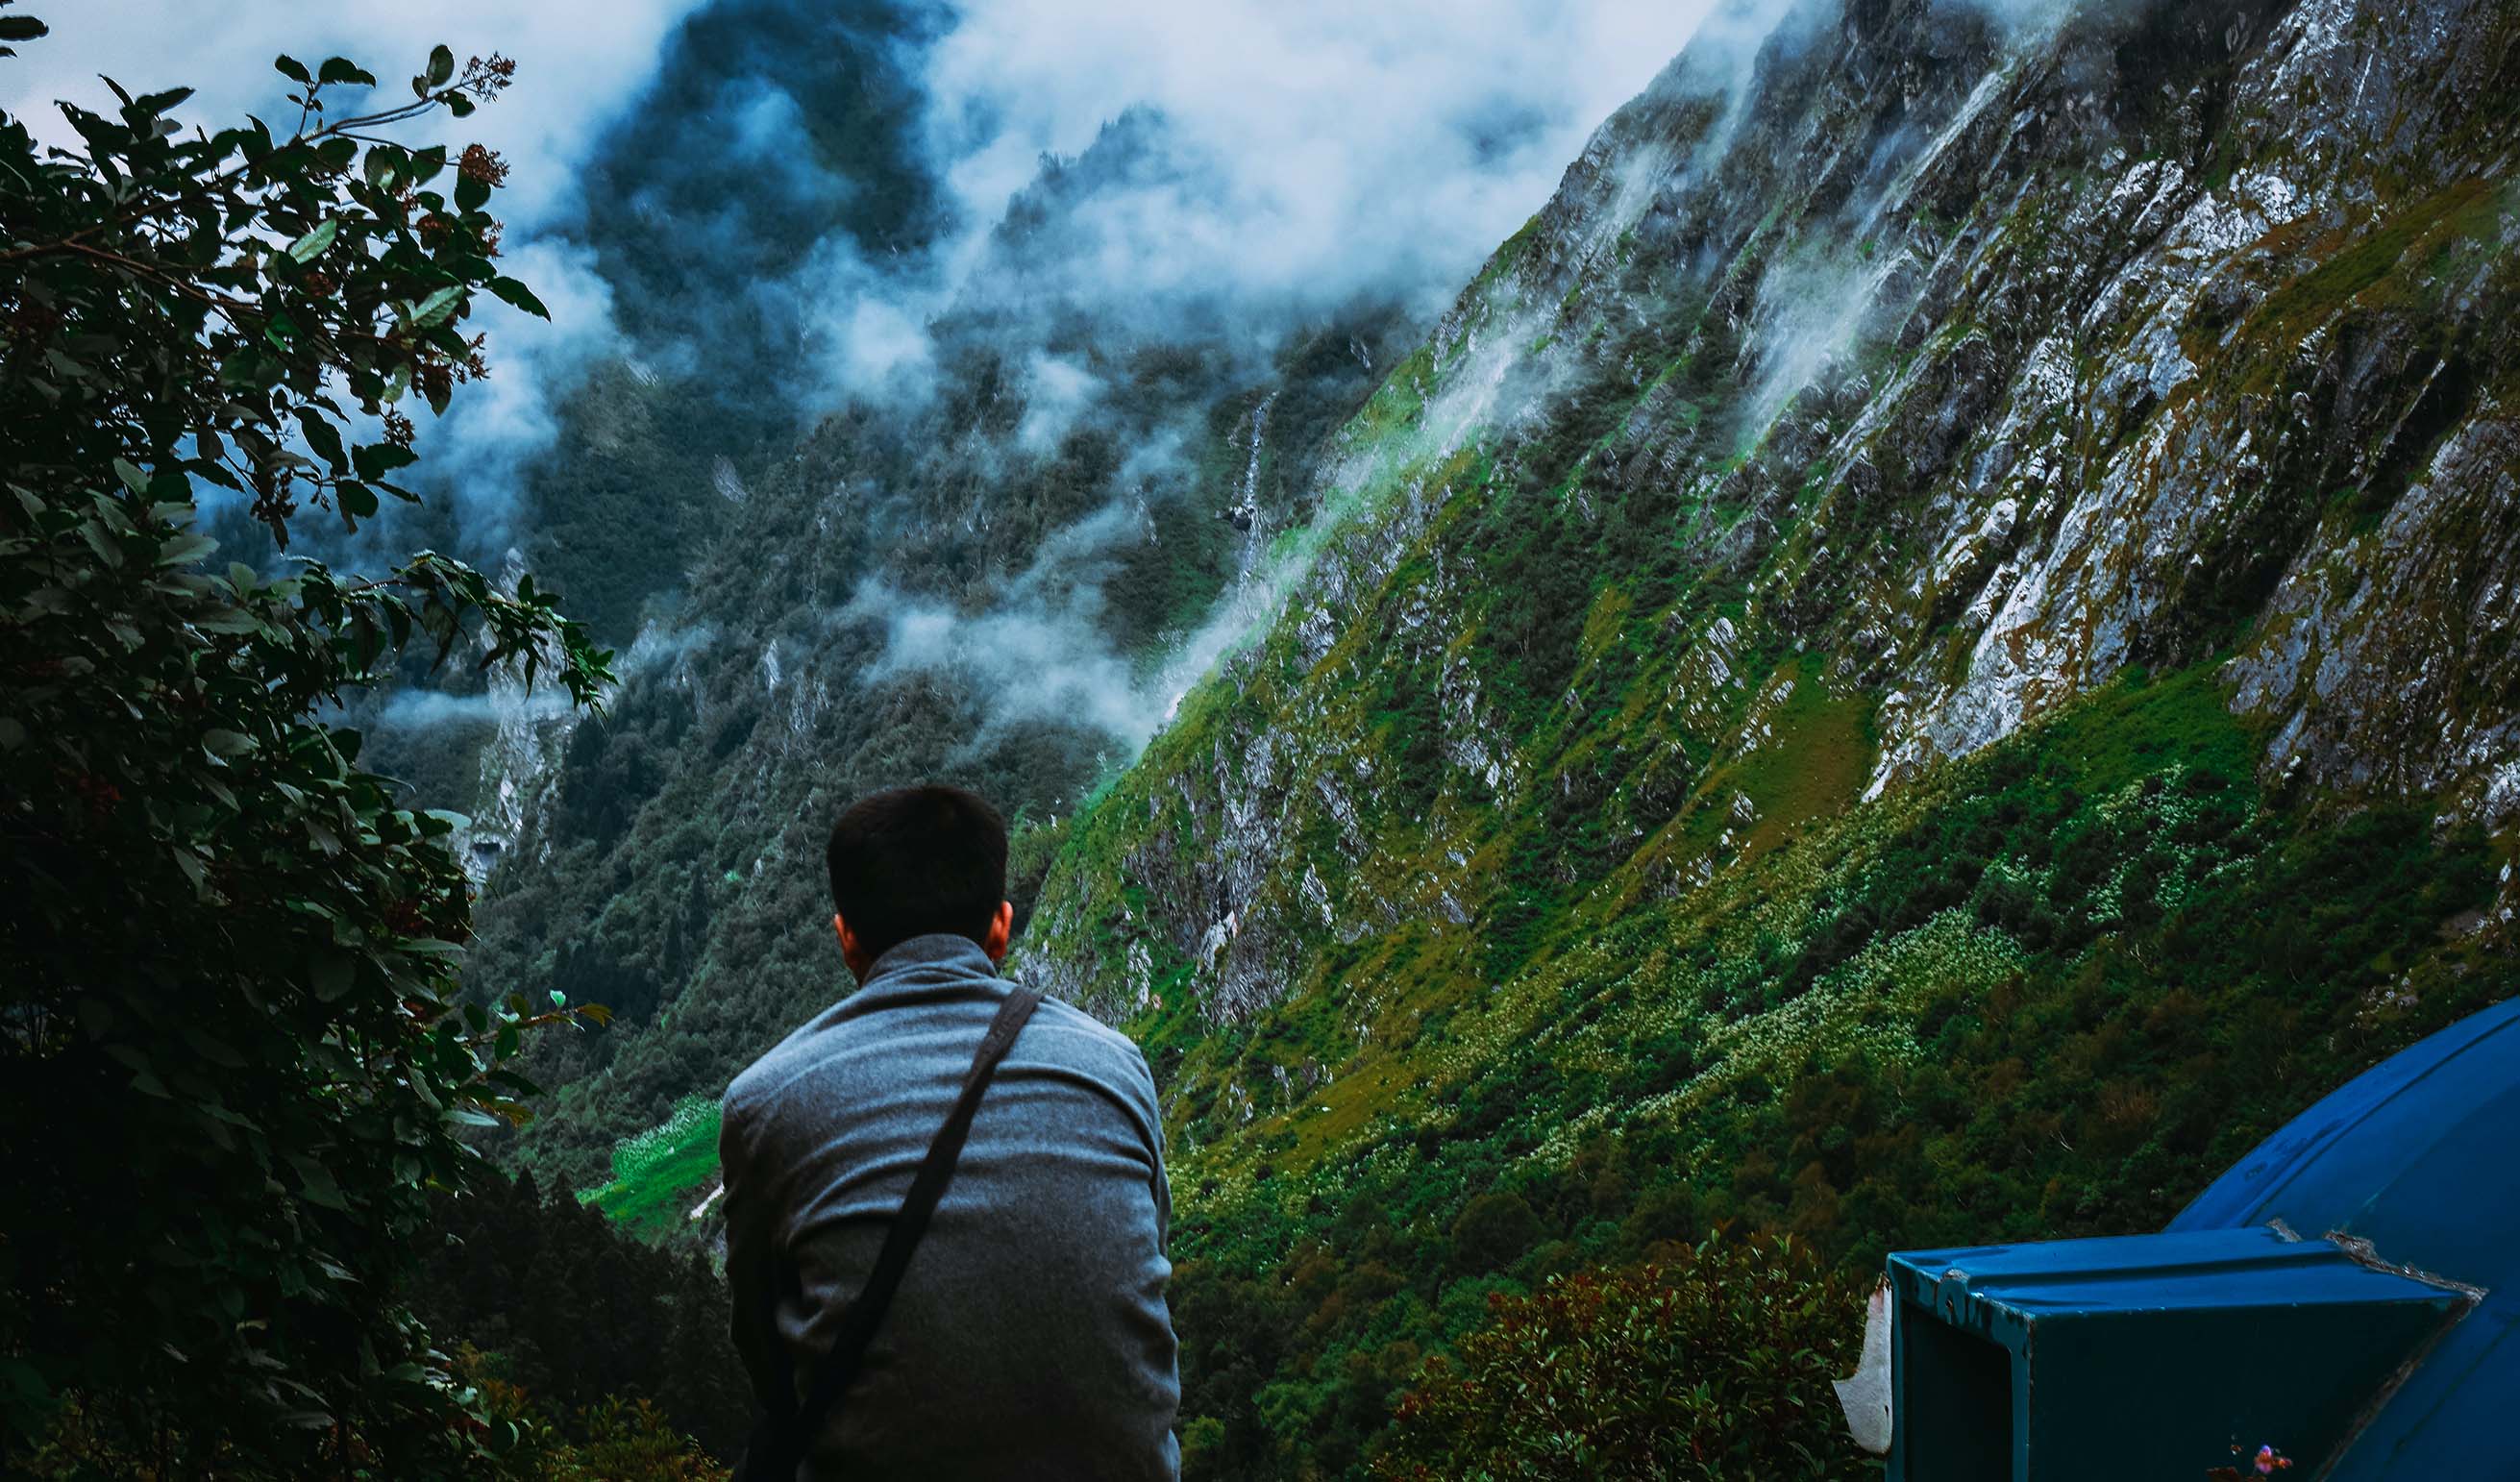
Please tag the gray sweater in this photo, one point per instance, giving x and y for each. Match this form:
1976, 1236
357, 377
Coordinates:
1030, 1336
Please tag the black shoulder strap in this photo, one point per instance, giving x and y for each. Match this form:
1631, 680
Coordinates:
779, 1444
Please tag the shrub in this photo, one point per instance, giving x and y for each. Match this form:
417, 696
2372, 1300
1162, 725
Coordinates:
625, 1440
1716, 1364
234, 1056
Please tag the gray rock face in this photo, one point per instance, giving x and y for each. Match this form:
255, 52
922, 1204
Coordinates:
1986, 352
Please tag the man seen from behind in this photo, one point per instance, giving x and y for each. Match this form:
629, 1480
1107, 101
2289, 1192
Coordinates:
1029, 1335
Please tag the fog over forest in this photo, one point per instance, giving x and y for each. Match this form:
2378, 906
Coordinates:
692, 202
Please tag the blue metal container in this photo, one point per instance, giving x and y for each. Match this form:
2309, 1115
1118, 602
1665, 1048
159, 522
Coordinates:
2348, 1293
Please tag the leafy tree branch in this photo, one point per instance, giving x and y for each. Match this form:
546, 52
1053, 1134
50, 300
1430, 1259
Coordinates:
237, 1053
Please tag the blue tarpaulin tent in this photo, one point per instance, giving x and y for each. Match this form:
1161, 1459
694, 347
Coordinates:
2348, 1293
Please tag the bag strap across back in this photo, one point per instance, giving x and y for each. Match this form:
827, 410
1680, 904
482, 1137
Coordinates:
780, 1442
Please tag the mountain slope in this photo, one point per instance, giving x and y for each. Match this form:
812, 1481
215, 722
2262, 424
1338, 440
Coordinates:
1927, 653
987, 580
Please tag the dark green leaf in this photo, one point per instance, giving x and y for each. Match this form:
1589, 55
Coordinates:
218, 890
101, 541
331, 974
185, 548
308, 248
438, 306
377, 459
211, 1048
227, 620
291, 68
318, 1182
441, 65
518, 294
321, 435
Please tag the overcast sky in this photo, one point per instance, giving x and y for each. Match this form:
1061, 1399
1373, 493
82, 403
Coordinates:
1451, 114
577, 63
1329, 145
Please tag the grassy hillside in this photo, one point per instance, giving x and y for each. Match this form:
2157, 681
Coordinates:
1843, 699
661, 1176
2049, 990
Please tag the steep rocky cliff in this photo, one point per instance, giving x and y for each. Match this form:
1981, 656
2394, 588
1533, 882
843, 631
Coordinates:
1926, 654
1985, 355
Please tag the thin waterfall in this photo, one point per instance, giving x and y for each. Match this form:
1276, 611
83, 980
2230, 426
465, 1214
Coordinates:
1245, 513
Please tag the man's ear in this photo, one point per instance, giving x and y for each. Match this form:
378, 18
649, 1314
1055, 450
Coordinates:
1002, 930
850, 949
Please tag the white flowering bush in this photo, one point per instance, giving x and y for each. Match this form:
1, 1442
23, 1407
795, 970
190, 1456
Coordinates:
634, 1156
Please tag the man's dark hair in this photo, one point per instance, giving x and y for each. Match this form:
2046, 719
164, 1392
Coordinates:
915, 861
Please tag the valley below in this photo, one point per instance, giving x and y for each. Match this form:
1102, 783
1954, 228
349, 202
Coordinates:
1928, 653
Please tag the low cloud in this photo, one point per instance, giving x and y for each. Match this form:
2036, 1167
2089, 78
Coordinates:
481, 448
1023, 665
1040, 651
1313, 149
1060, 390
861, 331
419, 709
426, 709
1219, 174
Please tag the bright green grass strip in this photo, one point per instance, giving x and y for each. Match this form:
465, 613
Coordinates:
659, 1174
2141, 723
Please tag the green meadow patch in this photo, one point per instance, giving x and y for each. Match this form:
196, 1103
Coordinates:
659, 1174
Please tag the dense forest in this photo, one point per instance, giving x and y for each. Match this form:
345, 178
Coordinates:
554, 1301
